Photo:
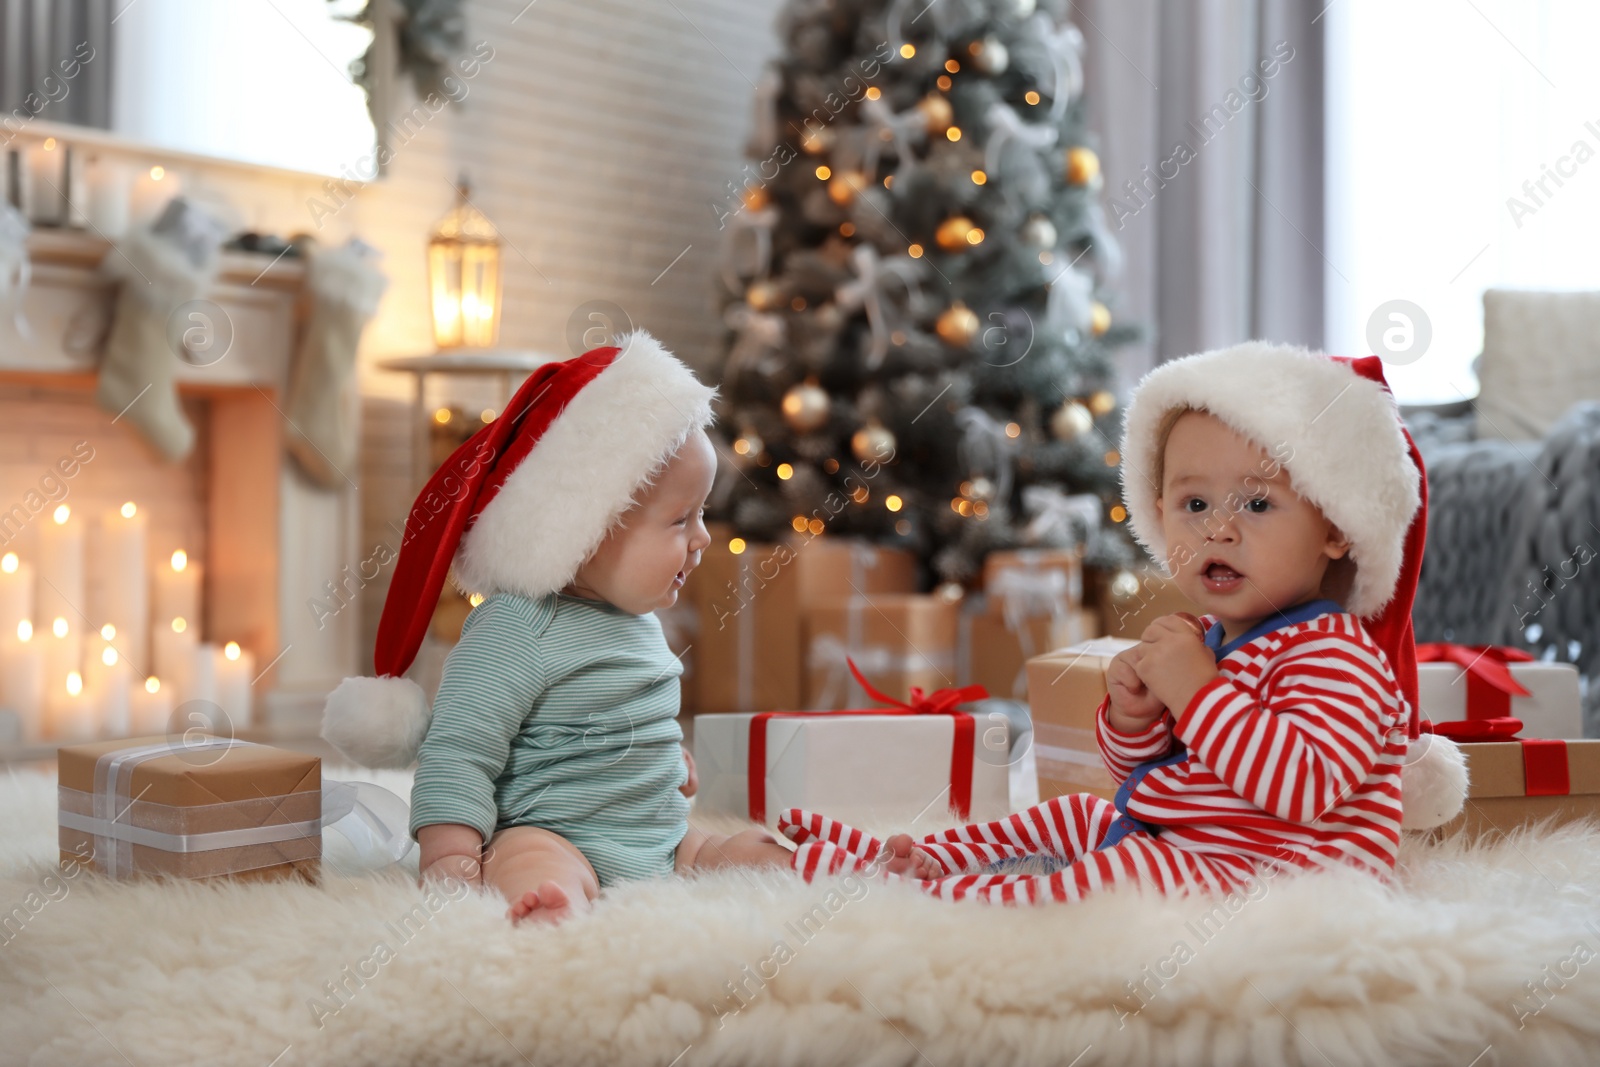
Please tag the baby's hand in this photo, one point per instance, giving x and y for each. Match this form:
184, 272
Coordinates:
692, 786
1176, 662
1133, 706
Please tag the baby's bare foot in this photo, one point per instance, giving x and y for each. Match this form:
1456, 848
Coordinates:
908, 861
549, 903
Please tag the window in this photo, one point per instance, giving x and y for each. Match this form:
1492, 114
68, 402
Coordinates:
1463, 153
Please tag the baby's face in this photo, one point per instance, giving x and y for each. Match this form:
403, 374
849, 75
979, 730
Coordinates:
643, 561
1241, 543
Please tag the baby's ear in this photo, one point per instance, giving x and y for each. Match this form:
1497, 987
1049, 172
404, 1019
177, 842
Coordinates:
1338, 545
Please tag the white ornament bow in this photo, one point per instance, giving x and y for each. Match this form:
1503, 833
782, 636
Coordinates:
906, 128
1071, 301
1065, 45
866, 291
1004, 125
986, 447
1057, 518
759, 223
759, 332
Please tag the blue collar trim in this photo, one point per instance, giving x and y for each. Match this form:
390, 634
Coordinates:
1311, 609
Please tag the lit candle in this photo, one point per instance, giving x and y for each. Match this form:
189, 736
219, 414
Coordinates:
63, 652
22, 675
72, 717
59, 588
109, 681
176, 621
16, 593
235, 670
150, 708
110, 195
152, 189
202, 678
119, 587
47, 178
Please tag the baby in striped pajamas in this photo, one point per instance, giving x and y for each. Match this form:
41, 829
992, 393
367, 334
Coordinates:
1268, 733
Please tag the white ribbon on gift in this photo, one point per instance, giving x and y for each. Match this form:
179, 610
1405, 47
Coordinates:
1058, 518
14, 266
828, 653
370, 817
866, 290
905, 128
1029, 592
1005, 125
758, 333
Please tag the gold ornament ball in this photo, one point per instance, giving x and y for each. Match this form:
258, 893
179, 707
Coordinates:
1099, 318
805, 407
1039, 232
873, 443
763, 296
817, 141
843, 187
756, 198
991, 57
1083, 166
1071, 421
937, 114
952, 233
957, 326
1102, 402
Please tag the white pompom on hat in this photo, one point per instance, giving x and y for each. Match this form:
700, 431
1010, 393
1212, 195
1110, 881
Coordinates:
1333, 425
518, 508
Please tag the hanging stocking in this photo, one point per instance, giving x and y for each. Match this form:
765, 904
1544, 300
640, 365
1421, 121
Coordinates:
344, 287
161, 268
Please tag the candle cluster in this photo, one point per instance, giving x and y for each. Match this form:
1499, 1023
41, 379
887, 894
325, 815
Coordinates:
56, 184
95, 643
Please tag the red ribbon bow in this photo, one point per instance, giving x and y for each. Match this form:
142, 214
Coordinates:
938, 702
1490, 687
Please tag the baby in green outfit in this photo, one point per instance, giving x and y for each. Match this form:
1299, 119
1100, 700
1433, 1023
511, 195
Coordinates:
575, 696
551, 763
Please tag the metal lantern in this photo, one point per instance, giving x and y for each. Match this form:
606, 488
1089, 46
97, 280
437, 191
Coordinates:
464, 277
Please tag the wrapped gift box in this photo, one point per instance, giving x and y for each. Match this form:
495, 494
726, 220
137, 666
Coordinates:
849, 765
1043, 571
1512, 784
897, 640
994, 654
1550, 710
198, 808
1065, 688
1127, 616
749, 654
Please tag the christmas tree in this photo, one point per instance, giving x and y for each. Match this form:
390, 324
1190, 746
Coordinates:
915, 281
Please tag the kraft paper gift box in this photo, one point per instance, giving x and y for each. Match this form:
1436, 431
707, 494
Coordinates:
1065, 688
1055, 571
1520, 782
847, 764
1459, 683
1127, 616
897, 640
196, 808
749, 654
995, 649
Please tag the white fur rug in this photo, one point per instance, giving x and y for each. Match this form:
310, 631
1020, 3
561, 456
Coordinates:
1325, 969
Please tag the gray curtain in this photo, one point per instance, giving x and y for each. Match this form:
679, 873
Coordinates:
36, 38
1210, 114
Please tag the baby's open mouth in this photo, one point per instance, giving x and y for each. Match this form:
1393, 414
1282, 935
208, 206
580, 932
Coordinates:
1219, 577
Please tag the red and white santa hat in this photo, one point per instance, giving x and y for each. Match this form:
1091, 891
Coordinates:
517, 509
1333, 424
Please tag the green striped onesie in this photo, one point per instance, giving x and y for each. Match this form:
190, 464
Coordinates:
560, 712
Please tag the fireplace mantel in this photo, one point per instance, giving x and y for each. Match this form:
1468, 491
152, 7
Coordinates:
277, 549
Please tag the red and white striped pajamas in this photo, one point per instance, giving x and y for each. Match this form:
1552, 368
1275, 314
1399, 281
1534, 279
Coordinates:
1294, 757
